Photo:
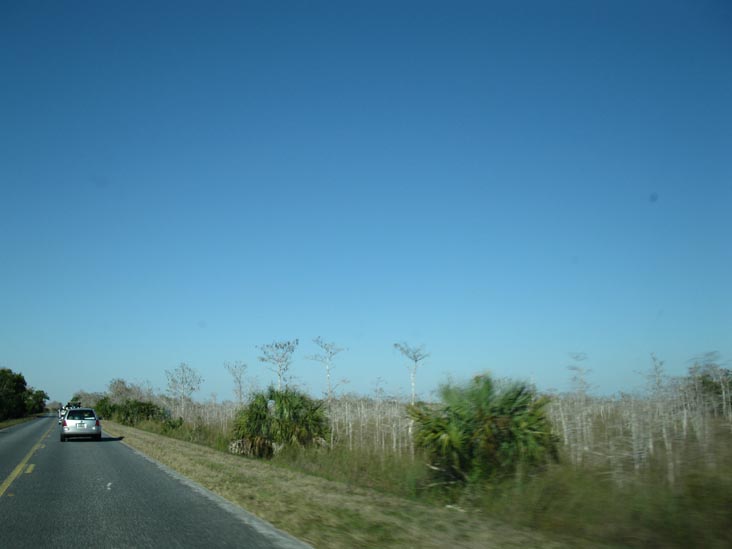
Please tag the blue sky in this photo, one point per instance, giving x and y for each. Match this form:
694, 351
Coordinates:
504, 183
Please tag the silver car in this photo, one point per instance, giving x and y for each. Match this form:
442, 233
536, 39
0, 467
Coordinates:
81, 422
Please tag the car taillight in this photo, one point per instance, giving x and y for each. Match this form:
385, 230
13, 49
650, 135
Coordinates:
97, 424
64, 423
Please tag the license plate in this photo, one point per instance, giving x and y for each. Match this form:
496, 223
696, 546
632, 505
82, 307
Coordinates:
82, 425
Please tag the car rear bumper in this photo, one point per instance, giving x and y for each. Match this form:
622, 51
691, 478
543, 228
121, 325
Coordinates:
90, 432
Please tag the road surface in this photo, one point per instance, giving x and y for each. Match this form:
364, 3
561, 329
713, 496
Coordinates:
84, 494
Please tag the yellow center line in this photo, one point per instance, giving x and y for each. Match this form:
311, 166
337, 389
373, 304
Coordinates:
30, 468
19, 468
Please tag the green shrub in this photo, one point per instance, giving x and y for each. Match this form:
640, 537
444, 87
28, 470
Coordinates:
280, 418
105, 408
483, 430
170, 425
132, 412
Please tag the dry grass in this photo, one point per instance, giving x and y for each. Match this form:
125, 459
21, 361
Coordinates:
10, 422
326, 513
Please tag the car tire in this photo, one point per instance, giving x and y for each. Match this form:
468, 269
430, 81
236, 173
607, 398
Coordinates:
63, 438
98, 437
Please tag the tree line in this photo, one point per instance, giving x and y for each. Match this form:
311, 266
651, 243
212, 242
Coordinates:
17, 399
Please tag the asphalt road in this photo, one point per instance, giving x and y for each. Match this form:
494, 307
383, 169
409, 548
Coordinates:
85, 494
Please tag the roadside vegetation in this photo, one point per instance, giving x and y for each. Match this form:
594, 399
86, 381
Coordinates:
11, 422
17, 400
329, 514
652, 469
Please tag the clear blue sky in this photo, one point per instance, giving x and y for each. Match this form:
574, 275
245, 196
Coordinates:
505, 183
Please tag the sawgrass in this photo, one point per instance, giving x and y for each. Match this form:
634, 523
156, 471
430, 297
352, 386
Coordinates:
695, 513
397, 474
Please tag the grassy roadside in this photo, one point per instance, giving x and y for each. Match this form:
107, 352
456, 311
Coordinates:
326, 513
11, 422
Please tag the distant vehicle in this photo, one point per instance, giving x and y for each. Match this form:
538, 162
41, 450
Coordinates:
62, 411
81, 422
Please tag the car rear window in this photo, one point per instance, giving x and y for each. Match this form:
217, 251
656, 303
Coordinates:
80, 414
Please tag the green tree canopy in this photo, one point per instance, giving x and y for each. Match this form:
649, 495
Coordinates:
16, 398
35, 401
12, 394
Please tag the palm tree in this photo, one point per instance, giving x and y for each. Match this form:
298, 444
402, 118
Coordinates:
280, 418
483, 430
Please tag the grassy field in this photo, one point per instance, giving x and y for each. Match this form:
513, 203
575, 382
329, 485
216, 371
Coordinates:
327, 513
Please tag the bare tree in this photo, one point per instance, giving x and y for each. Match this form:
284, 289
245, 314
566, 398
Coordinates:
182, 383
120, 390
656, 377
579, 420
237, 369
330, 350
708, 366
88, 399
415, 356
278, 355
